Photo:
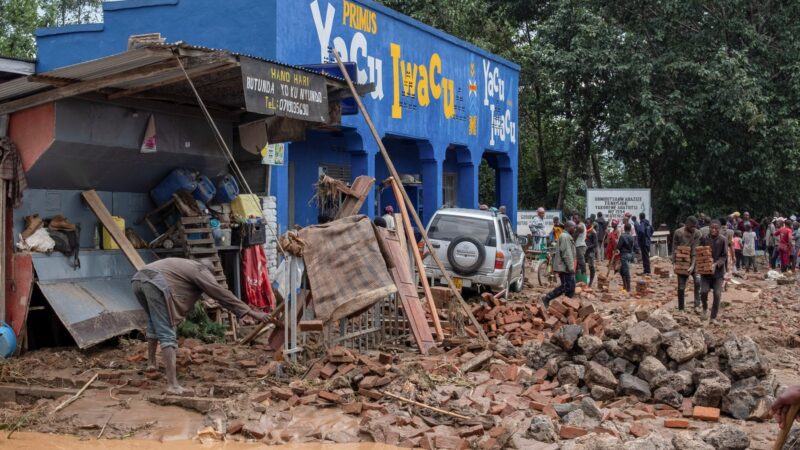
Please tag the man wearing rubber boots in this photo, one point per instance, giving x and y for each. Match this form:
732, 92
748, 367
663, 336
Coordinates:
168, 290
687, 236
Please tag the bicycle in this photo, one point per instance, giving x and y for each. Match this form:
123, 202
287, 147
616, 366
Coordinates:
544, 268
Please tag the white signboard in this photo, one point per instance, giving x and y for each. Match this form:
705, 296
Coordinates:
273, 154
614, 203
525, 217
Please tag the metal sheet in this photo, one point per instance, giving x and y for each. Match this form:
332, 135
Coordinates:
95, 302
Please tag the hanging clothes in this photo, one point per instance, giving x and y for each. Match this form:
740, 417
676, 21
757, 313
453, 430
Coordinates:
11, 170
255, 279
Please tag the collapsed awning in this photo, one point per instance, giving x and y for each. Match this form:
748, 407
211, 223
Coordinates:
95, 302
240, 86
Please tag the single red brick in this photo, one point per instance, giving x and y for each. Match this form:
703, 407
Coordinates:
676, 423
570, 432
706, 413
687, 408
639, 430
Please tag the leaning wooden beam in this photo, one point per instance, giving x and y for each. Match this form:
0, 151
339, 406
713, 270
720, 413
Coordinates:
396, 176
83, 87
409, 232
99, 209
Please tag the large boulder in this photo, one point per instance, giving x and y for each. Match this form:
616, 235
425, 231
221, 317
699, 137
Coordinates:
571, 374
590, 408
749, 399
690, 344
668, 396
712, 385
631, 385
744, 358
662, 320
578, 418
726, 437
688, 441
597, 375
649, 368
505, 347
620, 366
651, 442
542, 429
590, 345
538, 354
680, 382
567, 336
640, 340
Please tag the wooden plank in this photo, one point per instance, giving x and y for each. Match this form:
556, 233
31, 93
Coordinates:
352, 203
19, 293
418, 259
99, 209
407, 290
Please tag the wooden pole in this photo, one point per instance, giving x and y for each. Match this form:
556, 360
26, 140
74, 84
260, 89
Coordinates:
409, 231
68, 401
786, 426
396, 176
423, 405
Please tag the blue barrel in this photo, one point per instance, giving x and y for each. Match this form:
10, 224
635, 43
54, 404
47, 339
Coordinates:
227, 190
8, 341
205, 189
178, 179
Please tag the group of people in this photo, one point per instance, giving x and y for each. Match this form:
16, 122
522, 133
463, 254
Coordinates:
578, 245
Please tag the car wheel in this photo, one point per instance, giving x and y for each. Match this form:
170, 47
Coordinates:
466, 255
520, 283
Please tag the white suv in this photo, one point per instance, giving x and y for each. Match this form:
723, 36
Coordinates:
478, 249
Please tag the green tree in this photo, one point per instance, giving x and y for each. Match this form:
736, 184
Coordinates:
19, 19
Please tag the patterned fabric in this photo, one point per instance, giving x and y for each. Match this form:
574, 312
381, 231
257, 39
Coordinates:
346, 267
11, 170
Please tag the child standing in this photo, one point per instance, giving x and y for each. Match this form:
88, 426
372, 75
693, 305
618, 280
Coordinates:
749, 248
737, 249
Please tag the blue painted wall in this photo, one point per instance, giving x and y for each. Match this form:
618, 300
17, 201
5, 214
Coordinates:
433, 91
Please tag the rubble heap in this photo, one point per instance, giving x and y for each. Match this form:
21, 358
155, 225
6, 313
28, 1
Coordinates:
674, 373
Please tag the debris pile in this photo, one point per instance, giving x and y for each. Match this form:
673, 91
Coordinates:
663, 371
521, 322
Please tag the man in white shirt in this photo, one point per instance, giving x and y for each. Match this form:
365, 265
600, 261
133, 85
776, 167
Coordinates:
538, 229
388, 216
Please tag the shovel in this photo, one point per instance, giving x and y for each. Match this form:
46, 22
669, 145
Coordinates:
786, 426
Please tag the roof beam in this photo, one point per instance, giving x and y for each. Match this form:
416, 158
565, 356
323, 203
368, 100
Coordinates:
83, 87
196, 72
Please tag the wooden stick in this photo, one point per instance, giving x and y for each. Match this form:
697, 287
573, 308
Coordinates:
103, 430
68, 401
261, 328
422, 405
786, 426
437, 324
396, 176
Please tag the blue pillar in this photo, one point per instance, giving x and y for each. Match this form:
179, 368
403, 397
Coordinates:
467, 179
279, 187
506, 193
431, 163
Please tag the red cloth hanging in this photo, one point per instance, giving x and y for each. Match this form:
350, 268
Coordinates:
255, 279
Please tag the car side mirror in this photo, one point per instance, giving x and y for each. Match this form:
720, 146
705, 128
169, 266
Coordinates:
522, 240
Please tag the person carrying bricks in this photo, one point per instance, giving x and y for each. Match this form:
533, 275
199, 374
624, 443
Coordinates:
687, 236
168, 289
564, 262
715, 280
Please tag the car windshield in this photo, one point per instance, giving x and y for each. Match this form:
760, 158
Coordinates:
448, 228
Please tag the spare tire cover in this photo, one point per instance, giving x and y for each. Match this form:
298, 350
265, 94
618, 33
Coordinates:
466, 255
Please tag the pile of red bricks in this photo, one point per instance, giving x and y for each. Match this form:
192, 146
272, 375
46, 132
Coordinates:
521, 321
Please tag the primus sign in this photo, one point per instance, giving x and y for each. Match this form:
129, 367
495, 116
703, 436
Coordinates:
614, 203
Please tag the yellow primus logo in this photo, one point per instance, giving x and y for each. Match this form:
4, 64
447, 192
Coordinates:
359, 18
422, 82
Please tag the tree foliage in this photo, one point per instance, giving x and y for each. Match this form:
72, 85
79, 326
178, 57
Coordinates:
697, 100
19, 19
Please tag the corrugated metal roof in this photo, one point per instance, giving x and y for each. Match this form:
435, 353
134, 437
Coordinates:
95, 302
121, 63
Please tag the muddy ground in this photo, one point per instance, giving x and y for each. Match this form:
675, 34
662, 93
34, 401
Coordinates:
241, 387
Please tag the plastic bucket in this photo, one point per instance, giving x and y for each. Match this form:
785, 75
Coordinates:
227, 190
205, 189
108, 241
8, 341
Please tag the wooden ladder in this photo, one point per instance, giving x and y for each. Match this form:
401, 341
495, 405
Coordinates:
203, 247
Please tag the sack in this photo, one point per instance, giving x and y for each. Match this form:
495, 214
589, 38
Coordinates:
68, 243
40, 241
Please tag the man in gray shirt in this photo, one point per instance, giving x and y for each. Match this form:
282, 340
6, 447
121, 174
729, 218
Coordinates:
564, 265
687, 236
167, 290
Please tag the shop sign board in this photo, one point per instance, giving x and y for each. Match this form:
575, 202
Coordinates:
276, 90
525, 217
614, 203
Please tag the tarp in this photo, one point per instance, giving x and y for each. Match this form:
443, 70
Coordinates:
345, 266
96, 302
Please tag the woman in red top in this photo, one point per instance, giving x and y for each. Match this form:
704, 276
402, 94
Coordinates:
612, 237
784, 235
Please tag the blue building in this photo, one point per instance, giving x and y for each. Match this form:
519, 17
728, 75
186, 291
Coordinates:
441, 105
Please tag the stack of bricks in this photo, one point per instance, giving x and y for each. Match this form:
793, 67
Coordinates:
520, 321
683, 260
641, 287
661, 272
705, 262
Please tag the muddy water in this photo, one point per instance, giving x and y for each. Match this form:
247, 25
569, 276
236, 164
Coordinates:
39, 441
